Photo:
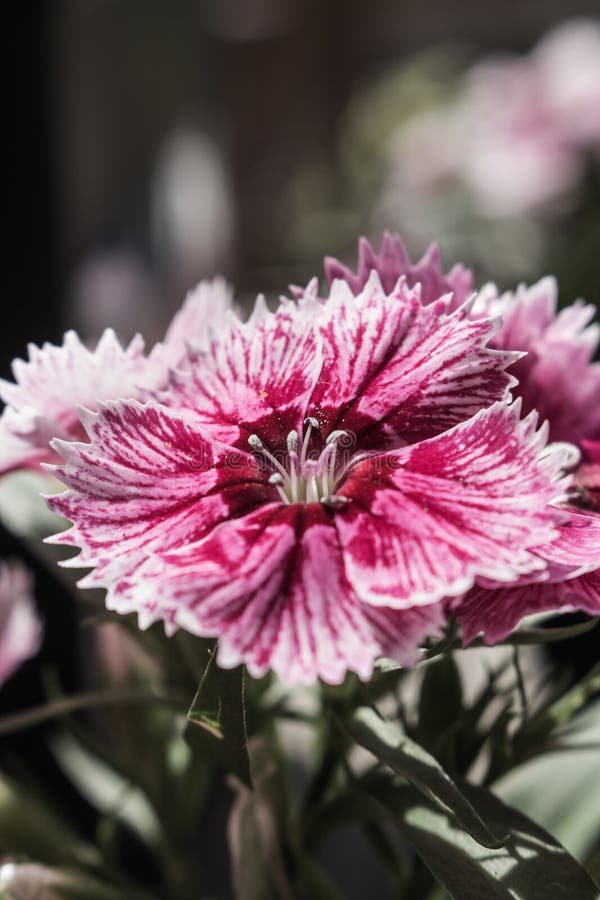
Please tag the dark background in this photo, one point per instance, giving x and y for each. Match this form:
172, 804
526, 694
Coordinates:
95, 88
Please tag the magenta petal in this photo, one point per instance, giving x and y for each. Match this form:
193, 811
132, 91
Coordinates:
149, 480
401, 372
392, 262
255, 378
496, 613
271, 586
424, 521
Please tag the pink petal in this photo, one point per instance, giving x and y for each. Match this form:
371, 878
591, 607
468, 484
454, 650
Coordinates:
392, 262
424, 521
204, 312
271, 586
557, 376
42, 403
20, 627
571, 580
149, 480
401, 372
256, 377
496, 613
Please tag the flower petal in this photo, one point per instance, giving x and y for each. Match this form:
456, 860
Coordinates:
204, 312
402, 372
392, 262
557, 376
271, 586
148, 480
256, 377
422, 522
42, 403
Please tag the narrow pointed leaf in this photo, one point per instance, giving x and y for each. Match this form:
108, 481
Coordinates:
394, 749
531, 866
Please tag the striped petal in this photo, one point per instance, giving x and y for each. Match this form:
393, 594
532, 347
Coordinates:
397, 372
271, 586
424, 521
570, 581
255, 378
148, 480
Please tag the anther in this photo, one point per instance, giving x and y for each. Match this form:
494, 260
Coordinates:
292, 442
255, 442
334, 501
312, 422
335, 436
275, 478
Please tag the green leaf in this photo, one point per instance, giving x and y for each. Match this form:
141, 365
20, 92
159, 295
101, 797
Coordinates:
393, 748
551, 635
557, 714
28, 827
531, 866
440, 701
217, 719
560, 788
255, 832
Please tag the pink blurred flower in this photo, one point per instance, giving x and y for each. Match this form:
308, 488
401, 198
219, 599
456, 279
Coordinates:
20, 628
55, 380
516, 136
312, 487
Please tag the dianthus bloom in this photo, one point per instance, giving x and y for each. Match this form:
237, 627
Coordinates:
312, 486
556, 377
42, 403
20, 627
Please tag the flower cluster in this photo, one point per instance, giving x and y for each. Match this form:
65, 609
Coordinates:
517, 134
325, 483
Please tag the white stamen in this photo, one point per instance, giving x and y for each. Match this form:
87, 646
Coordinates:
336, 435
311, 422
256, 444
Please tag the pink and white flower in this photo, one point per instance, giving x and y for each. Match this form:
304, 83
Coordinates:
311, 487
20, 628
55, 380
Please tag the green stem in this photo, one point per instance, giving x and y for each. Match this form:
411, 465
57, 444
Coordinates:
114, 696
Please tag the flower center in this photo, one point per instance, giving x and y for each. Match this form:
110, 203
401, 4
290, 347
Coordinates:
300, 478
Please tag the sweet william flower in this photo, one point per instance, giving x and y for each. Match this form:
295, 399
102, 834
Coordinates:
42, 402
557, 377
311, 487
